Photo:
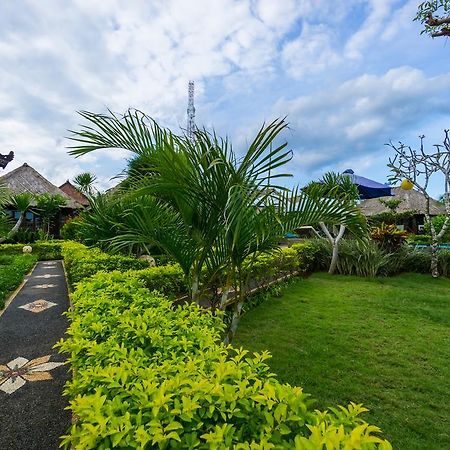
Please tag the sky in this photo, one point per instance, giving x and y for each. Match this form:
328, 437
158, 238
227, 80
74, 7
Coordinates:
350, 75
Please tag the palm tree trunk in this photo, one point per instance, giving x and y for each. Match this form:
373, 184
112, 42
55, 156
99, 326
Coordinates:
194, 288
237, 311
14, 229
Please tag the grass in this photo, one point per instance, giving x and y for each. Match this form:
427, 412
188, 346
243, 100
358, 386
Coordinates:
382, 342
12, 270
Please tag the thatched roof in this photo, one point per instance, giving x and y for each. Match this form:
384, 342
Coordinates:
411, 201
74, 193
27, 179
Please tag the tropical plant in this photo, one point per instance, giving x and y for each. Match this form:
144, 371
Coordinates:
389, 237
342, 188
363, 258
391, 204
4, 219
48, 206
208, 208
84, 182
20, 202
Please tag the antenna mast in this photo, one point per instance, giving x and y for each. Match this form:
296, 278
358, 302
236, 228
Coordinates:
191, 112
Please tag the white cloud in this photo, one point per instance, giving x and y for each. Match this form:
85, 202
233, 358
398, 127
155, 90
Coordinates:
311, 52
357, 117
371, 28
400, 21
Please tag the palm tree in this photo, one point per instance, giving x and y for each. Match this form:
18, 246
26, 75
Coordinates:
207, 207
84, 182
20, 202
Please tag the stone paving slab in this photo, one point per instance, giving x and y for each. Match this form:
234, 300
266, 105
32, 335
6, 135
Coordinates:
32, 374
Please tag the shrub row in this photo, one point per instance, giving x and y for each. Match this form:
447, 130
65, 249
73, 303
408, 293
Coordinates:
12, 270
148, 375
44, 250
82, 262
368, 259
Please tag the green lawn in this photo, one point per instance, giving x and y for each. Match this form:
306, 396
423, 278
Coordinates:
382, 342
12, 270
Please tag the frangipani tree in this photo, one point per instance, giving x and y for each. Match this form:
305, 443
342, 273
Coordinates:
419, 167
341, 188
435, 16
206, 205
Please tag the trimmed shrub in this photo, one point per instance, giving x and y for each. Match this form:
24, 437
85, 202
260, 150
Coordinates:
308, 254
148, 375
168, 280
82, 262
44, 250
268, 266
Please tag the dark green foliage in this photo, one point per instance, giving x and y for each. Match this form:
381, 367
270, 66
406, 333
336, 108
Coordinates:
434, 16
438, 222
23, 236
419, 239
362, 258
390, 218
48, 206
12, 270
70, 231
169, 280
147, 375
43, 250
313, 254
382, 341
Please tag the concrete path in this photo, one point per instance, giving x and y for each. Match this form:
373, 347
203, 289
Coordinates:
32, 374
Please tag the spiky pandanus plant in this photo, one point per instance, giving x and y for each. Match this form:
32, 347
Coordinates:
207, 207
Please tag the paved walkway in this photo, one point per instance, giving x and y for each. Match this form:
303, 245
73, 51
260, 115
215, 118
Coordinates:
32, 373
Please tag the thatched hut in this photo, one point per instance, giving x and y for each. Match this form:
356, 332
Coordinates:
411, 209
26, 179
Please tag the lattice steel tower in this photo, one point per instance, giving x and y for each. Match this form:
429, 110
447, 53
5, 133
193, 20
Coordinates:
191, 112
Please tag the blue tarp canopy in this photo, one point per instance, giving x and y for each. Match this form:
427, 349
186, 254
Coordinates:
368, 188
